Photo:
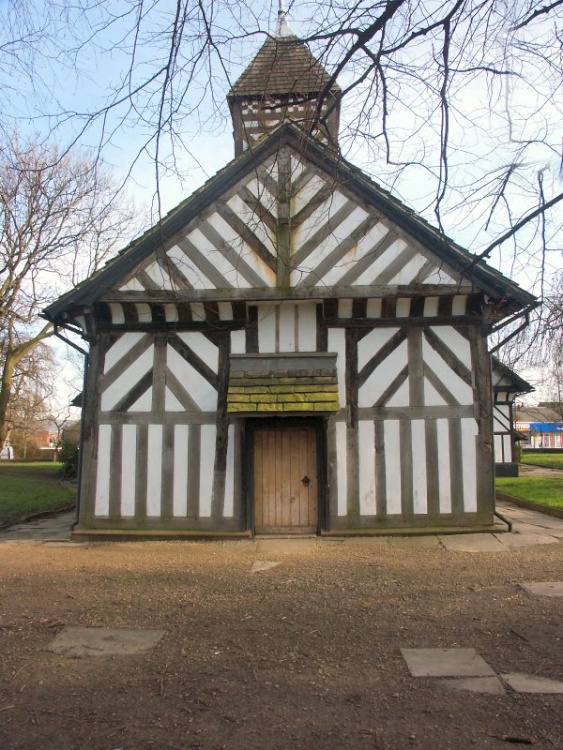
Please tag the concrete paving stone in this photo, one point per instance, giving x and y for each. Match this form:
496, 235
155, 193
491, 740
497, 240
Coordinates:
78, 642
544, 588
491, 685
472, 543
533, 528
525, 540
446, 662
11, 541
286, 546
415, 542
361, 541
527, 683
259, 565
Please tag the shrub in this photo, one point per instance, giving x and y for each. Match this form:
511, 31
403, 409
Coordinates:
68, 456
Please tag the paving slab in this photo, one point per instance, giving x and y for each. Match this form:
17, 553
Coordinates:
472, 543
78, 642
356, 541
543, 588
490, 685
260, 565
527, 683
446, 662
525, 540
286, 546
415, 542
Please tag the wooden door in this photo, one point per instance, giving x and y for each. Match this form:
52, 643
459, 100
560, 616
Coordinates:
285, 480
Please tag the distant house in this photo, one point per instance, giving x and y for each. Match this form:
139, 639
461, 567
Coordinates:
507, 385
541, 428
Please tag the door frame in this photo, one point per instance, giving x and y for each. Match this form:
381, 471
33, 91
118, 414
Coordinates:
250, 426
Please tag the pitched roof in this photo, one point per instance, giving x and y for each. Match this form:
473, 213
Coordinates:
536, 414
485, 279
283, 65
505, 379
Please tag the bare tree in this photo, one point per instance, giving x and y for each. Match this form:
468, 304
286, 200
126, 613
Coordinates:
58, 221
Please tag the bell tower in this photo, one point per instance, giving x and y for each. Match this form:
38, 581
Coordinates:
284, 83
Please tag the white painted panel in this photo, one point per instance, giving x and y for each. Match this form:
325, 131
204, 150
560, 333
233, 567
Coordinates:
365, 246
454, 340
370, 344
180, 491
171, 313
219, 260
267, 328
373, 308
371, 274
197, 310
459, 304
469, 468
286, 312
192, 273
318, 218
419, 488
345, 308
297, 167
431, 395
392, 438
225, 310
444, 475
261, 192
403, 307
120, 387
461, 391
507, 447
498, 448
401, 397
171, 403
304, 196
80, 320
307, 327
143, 312
159, 276
238, 342
117, 314
154, 470
206, 469
228, 506
128, 469
143, 403
200, 390
409, 270
203, 347
118, 350
244, 251
103, 473
431, 307
383, 376
341, 468
133, 285
337, 344
259, 227
366, 449
440, 276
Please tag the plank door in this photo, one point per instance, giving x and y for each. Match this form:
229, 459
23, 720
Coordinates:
285, 480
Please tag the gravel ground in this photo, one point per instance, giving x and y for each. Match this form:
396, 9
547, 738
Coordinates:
304, 655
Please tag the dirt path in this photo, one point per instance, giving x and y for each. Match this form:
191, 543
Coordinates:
305, 655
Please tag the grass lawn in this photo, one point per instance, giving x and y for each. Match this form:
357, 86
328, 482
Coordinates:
553, 460
27, 489
539, 490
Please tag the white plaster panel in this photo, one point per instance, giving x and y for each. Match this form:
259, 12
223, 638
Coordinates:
103, 473
409, 270
401, 397
456, 342
403, 307
143, 403
154, 470
238, 342
171, 313
345, 308
307, 326
431, 307
128, 469
337, 344
267, 334
118, 350
308, 192
440, 276
419, 486
365, 246
431, 395
117, 314
366, 449
133, 285
382, 377
444, 475
192, 273
318, 218
203, 347
225, 310
219, 260
373, 308
244, 251
143, 312
286, 327
341, 468
180, 488
252, 220
171, 403
208, 432
120, 387
159, 276
498, 448
200, 390
228, 506
371, 274
460, 390
197, 310
262, 193
459, 304
469, 467
392, 438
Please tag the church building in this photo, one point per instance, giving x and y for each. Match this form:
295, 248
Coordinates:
291, 350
